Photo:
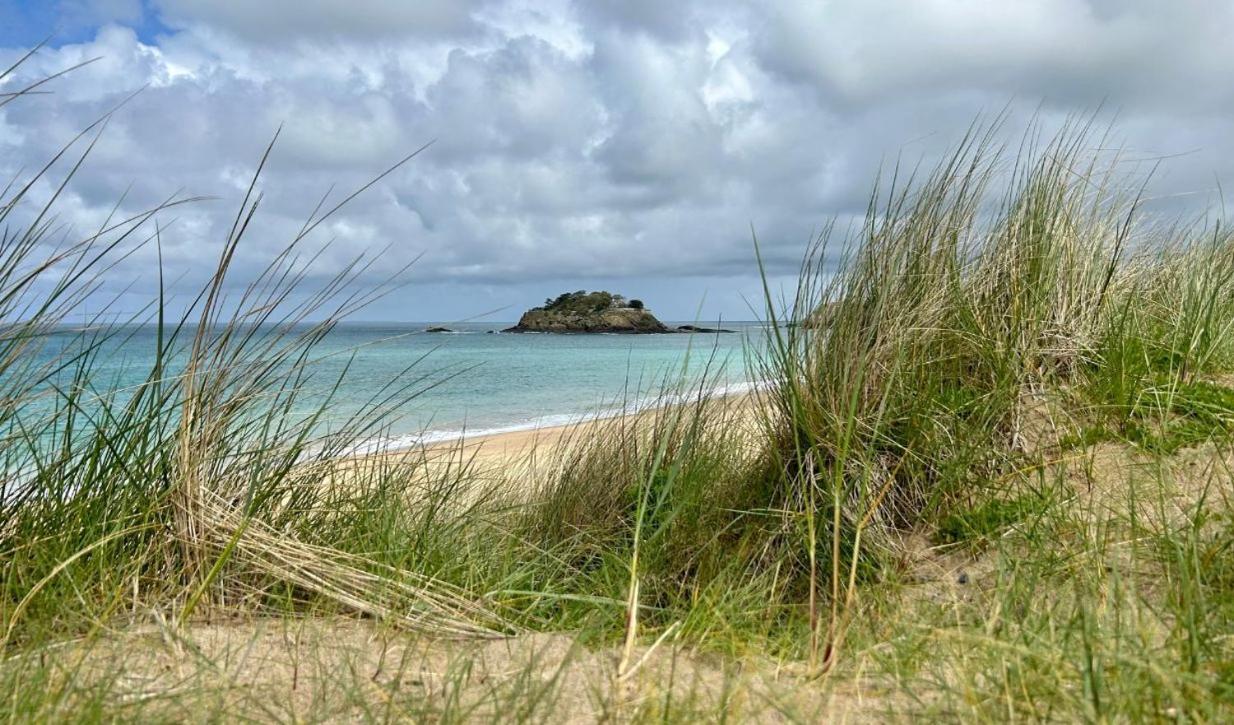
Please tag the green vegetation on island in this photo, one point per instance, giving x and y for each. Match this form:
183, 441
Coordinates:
590, 312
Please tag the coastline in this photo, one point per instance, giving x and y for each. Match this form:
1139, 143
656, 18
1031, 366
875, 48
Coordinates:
541, 429
508, 445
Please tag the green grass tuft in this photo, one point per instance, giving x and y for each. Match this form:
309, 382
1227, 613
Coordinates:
987, 520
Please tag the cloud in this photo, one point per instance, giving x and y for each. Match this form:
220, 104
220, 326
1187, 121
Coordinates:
298, 20
630, 143
665, 21
1071, 51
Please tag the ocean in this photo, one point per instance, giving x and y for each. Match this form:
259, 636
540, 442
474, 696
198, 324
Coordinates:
475, 380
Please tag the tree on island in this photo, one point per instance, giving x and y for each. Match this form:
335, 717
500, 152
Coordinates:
581, 302
635, 304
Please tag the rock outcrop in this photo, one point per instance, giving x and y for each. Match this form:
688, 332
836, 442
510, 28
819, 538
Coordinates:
696, 328
590, 312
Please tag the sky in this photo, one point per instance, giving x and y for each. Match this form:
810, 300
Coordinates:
626, 145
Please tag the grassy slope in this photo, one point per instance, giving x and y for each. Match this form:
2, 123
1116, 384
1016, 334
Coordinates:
993, 484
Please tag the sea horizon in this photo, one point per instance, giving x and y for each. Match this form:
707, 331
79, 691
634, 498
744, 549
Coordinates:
472, 381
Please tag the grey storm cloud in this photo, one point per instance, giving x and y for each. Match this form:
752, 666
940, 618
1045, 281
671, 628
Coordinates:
632, 142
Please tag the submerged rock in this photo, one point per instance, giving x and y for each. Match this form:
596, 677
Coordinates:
696, 328
590, 312
438, 329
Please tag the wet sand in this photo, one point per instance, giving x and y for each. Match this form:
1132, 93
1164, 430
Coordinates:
516, 450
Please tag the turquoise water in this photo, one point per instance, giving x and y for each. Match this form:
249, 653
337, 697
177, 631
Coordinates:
475, 380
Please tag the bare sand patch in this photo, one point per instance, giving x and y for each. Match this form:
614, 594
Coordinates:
344, 669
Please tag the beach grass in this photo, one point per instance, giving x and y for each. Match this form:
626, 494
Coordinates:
988, 478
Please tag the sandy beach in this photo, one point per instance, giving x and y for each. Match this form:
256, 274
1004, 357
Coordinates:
513, 452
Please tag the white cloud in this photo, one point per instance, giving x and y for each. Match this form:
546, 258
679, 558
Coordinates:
615, 141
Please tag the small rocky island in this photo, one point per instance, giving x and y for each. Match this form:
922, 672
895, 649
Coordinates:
583, 311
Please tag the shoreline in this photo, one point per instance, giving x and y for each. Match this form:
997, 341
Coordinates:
506, 446
550, 425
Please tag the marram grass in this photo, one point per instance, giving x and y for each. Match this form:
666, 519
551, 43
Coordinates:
989, 480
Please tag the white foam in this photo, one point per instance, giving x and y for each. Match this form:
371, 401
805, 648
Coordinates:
389, 444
